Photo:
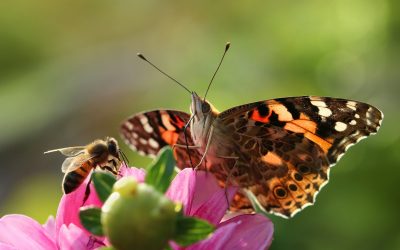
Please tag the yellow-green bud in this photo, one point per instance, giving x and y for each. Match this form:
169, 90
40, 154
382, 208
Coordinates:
136, 216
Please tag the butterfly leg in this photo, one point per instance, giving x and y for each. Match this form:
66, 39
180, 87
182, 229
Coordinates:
186, 139
207, 147
229, 175
184, 146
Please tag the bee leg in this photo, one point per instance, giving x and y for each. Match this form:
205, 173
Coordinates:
113, 168
110, 169
87, 191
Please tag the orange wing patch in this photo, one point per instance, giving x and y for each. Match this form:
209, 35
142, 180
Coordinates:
325, 145
309, 126
170, 137
272, 159
256, 116
283, 113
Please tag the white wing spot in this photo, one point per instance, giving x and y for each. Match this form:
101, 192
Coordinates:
353, 122
319, 103
129, 125
143, 119
351, 105
145, 122
340, 126
143, 141
148, 128
134, 135
357, 116
369, 112
153, 143
322, 111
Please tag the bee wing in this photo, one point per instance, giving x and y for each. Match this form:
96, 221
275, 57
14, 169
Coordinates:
70, 151
72, 163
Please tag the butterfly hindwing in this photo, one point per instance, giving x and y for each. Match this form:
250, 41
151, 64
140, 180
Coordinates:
148, 132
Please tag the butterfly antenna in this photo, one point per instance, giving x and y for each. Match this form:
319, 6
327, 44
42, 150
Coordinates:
228, 44
170, 77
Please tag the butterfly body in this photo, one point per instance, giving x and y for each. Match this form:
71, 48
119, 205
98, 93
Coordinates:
279, 149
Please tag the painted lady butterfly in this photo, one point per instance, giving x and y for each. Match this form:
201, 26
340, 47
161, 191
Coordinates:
280, 149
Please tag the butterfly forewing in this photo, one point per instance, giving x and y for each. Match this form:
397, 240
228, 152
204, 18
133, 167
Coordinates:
148, 132
331, 123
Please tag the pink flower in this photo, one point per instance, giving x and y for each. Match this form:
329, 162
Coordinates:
22, 232
66, 232
201, 197
196, 190
68, 209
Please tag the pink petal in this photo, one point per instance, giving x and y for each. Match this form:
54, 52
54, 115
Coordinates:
73, 238
205, 187
68, 209
200, 195
215, 207
50, 227
138, 173
4, 246
218, 240
182, 189
22, 232
246, 231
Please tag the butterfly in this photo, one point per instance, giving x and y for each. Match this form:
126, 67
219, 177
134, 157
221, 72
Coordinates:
280, 149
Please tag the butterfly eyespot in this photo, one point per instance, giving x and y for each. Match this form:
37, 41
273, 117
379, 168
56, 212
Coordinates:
280, 192
205, 107
304, 169
298, 177
288, 204
293, 187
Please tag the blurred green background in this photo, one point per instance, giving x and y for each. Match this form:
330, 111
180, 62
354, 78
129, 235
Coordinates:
69, 74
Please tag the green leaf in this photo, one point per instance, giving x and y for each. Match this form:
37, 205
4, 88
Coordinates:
103, 183
258, 208
159, 174
190, 230
90, 219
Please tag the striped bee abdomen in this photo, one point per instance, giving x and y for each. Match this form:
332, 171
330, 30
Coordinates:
72, 180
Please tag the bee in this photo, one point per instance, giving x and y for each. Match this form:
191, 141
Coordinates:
81, 160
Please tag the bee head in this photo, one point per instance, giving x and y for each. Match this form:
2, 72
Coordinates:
112, 146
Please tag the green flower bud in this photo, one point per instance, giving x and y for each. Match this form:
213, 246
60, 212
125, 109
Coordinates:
136, 216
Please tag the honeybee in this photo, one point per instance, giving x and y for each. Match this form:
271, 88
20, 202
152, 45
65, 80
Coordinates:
104, 154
